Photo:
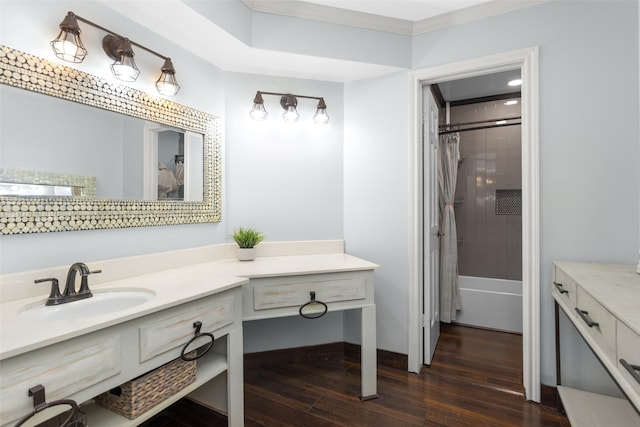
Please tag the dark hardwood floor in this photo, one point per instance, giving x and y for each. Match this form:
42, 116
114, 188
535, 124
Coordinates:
474, 380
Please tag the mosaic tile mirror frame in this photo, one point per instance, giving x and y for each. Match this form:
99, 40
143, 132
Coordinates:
37, 214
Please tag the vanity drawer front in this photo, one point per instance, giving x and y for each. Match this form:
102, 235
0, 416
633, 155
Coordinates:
295, 294
629, 350
63, 369
604, 333
564, 287
173, 328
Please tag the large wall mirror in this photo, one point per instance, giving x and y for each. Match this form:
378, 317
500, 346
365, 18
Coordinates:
78, 152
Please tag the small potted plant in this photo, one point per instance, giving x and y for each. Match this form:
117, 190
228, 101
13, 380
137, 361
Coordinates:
247, 239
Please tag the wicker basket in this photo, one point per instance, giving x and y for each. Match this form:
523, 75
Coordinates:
137, 396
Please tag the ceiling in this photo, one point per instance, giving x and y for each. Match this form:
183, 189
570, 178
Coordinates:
479, 86
410, 10
231, 54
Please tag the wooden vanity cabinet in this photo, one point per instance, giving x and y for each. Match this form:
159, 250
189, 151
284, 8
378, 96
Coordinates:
603, 303
88, 365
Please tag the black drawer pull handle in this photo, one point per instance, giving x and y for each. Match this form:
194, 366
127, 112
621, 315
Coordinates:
40, 404
560, 288
633, 369
585, 316
313, 302
200, 351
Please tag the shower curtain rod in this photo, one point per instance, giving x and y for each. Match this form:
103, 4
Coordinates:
478, 127
448, 128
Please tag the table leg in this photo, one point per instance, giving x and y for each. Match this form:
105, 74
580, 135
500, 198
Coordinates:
235, 379
369, 353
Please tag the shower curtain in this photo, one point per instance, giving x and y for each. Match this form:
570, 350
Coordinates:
447, 174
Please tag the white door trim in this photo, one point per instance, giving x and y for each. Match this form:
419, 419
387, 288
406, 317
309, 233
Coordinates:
527, 60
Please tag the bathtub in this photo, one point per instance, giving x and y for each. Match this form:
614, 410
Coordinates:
491, 303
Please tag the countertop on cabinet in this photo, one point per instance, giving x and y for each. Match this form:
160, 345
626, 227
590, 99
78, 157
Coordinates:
615, 286
171, 287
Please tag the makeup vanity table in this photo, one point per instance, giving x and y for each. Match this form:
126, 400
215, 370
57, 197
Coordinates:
603, 303
280, 286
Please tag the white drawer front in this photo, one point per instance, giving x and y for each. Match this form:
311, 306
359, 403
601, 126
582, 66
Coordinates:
63, 369
296, 294
629, 350
604, 333
564, 287
173, 328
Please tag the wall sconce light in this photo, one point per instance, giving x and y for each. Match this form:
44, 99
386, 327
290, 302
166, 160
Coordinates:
68, 47
288, 102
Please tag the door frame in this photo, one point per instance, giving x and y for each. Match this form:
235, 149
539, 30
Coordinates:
527, 61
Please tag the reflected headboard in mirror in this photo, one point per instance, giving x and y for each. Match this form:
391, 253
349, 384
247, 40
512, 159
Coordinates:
36, 214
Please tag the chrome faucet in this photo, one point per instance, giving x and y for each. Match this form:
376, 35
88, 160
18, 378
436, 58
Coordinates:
70, 294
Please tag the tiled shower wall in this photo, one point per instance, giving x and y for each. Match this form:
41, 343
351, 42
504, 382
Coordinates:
489, 244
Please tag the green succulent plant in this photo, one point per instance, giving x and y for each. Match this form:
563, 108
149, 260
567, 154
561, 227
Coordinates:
247, 237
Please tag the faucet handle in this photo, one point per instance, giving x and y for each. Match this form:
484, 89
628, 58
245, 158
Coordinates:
84, 283
54, 296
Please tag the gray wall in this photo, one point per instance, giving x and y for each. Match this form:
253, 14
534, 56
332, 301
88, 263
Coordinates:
29, 26
286, 179
589, 149
376, 197
588, 154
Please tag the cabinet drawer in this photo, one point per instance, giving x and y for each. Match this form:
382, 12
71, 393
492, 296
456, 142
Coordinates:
604, 333
297, 293
564, 287
629, 350
63, 369
173, 328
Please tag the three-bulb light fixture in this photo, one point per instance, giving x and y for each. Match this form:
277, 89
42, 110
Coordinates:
288, 102
68, 47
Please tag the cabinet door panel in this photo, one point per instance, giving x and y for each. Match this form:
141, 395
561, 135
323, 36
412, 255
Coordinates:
295, 294
63, 369
604, 333
629, 350
564, 287
173, 328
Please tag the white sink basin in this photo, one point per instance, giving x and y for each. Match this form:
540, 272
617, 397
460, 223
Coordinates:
102, 302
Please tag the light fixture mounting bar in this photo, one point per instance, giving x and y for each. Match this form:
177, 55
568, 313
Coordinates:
93, 24
290, 94
289, 102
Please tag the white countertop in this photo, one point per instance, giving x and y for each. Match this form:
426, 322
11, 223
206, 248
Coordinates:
171, 287
615, 286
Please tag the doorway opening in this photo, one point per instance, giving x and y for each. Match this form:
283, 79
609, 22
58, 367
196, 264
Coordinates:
525, 61
481, 117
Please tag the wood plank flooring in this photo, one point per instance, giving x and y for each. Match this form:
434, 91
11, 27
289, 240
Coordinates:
475, 380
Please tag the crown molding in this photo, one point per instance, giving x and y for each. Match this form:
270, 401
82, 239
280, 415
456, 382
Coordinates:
334, 15
472, 13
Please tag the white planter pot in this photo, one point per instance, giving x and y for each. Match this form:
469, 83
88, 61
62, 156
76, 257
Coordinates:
246, 254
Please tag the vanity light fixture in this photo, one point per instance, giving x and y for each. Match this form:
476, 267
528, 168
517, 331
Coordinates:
124, 68
289, 104
516, 82
258, 111
68, 47
167, 83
